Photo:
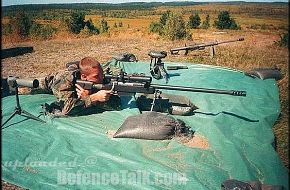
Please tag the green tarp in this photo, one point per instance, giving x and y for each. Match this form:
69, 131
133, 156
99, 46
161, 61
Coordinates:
79, 153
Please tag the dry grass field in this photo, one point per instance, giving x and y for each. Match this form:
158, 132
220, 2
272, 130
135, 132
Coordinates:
258, 50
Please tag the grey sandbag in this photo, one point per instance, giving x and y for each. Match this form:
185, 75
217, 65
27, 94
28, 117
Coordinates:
72, 65
233, 184
166, 103
127, 57
152, 126
265, 73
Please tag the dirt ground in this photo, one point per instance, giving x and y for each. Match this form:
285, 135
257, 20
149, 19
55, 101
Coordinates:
51, 56
8, 186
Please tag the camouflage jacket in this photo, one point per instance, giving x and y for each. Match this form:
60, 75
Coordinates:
62, 85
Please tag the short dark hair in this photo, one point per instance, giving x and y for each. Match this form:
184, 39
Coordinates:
87, 64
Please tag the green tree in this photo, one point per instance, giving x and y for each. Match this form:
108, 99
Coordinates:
86, 32
91, 28
7, 29
164, 17
104, 26
156, 27
284, 40
194, 21
225, 21
38, 31
76, 22
175, 27
205, 23
89, 23
21, 24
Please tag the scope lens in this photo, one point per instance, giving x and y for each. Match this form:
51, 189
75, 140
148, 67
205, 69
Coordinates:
35, 83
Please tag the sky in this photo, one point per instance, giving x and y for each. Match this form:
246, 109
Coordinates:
21, 2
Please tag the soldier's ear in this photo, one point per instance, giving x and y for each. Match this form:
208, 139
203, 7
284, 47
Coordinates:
83, 77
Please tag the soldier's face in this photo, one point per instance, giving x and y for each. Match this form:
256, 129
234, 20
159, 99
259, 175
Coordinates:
94, 75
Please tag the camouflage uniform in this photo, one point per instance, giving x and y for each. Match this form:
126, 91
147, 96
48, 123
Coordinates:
62, 85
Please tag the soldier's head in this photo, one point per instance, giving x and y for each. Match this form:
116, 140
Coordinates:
91, 70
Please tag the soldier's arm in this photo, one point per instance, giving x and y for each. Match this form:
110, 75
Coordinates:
64, 90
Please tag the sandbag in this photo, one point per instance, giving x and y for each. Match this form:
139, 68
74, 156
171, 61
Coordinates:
152, 126
74, 65
265, 73
127, 57
233, 184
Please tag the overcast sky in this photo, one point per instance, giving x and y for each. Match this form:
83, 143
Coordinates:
21, 2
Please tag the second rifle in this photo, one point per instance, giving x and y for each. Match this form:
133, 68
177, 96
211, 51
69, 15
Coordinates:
200, 46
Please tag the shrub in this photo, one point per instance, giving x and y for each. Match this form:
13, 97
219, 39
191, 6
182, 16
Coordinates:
86, 32
263, 26
175, 27
205, 24
91, 27
38, 31
164, 17
7, 29
104, 26
254, 26
194, 21
156, 27
284, 40
89, 32
76, 22
21, 24
225, 21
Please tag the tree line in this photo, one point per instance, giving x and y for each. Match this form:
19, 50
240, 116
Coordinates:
172, 25
25, 26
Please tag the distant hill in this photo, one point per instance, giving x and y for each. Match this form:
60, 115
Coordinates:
109, 6
135, 9
101, 6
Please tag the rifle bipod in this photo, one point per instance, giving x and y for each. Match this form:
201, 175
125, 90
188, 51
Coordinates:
18, 110
157, 94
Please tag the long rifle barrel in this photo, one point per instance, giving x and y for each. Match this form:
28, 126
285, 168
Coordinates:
204, 90
201, 46
229, 41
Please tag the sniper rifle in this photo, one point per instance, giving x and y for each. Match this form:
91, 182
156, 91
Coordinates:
132, 84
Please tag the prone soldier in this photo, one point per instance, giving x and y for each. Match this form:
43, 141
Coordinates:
73, 99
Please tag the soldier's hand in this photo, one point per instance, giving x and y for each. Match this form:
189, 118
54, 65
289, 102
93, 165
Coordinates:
101, 96
82, 93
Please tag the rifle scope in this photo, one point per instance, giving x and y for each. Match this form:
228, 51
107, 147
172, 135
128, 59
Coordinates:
128, 78
15, 82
